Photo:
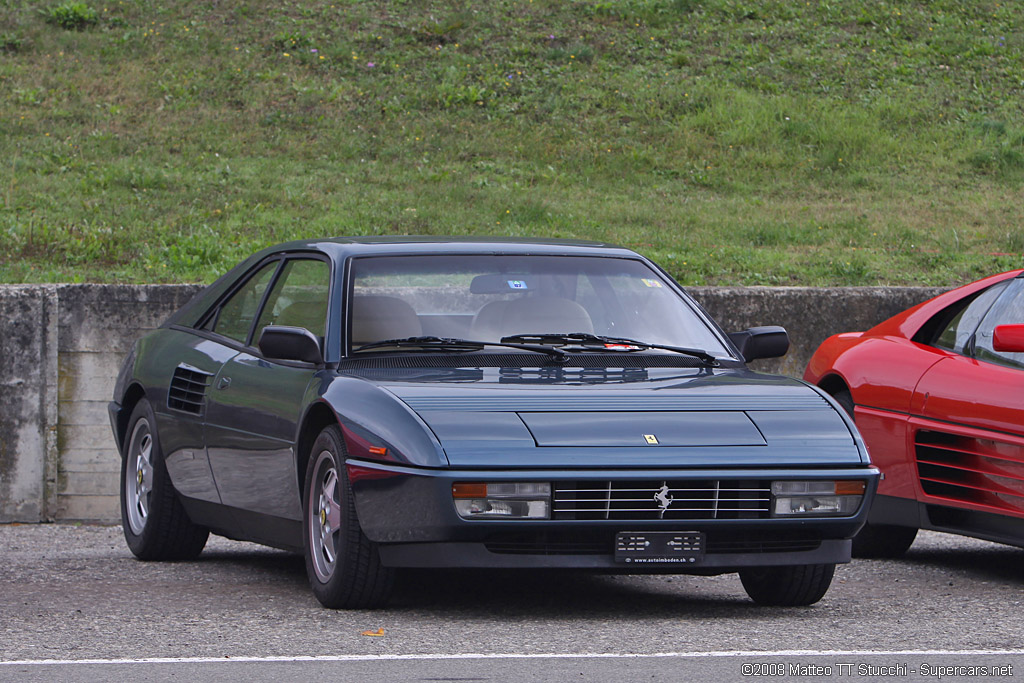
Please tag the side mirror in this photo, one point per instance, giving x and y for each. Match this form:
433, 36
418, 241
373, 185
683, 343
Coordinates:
290, 343
1008, 338
770, 341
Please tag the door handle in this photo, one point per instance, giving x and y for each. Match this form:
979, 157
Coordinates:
224, 383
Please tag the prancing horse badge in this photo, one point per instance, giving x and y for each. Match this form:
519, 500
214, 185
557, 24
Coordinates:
651, 439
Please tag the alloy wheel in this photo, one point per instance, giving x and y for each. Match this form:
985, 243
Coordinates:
324, 516
138, 479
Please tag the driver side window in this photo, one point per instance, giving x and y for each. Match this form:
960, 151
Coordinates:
235, 316
1008, 310
955, 334
299, 297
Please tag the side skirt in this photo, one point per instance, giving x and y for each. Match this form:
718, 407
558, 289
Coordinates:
953, 520
245, 525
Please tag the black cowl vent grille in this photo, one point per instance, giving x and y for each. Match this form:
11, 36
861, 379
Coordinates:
520, 360
188, 387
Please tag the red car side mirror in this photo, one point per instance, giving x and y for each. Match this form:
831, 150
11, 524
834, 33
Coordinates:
1008, 338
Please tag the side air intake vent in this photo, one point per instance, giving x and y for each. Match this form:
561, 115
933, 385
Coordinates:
188, 387
964, 469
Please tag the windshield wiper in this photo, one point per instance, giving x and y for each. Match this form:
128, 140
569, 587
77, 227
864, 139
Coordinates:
455, 344
601, 342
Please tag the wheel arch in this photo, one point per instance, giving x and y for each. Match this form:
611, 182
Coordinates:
833, 384
132, 395
319, 416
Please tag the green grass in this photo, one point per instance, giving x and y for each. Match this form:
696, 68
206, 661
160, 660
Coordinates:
736, 142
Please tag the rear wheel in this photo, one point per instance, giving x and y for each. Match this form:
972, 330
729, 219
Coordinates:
876, 540
343, 565
787, 586
155, 524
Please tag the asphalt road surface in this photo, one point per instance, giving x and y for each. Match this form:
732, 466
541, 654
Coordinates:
75, 605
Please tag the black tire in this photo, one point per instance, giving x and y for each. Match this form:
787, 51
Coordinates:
789, 586
343, 565
155, 524
883, 541
877, 540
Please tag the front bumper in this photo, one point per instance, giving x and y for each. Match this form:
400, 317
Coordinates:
409, 513
478, 555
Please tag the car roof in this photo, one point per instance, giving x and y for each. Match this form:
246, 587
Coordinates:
341, 248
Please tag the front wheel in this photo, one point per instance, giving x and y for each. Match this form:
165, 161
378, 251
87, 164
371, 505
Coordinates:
787, 586
156, 526
343, 565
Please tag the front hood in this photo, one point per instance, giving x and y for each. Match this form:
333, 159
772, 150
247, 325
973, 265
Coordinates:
668, 418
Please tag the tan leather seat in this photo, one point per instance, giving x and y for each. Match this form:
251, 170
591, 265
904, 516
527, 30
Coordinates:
530, 315
376, 318
487, 321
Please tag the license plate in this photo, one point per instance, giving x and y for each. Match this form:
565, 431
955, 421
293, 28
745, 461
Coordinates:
659, 547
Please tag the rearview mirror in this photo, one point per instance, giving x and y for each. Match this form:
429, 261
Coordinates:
1008, 338
769, 341
281, 342
498, 283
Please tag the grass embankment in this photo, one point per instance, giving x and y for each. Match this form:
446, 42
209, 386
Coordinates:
734, 141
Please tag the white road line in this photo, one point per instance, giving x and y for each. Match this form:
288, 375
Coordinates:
540, 655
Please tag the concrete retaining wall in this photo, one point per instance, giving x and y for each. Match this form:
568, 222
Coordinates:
62, 345
809, 314
96, 327
28, 411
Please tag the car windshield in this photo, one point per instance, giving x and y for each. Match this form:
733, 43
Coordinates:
487, 297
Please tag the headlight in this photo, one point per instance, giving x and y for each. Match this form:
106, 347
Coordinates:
817, 498
505, 500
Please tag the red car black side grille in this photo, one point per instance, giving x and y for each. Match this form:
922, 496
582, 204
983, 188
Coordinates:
969, 470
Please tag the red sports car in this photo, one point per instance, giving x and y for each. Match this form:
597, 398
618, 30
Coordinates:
938, 395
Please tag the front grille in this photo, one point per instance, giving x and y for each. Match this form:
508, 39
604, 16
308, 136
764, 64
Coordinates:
545, 545
684, 499
602, 542
758, 544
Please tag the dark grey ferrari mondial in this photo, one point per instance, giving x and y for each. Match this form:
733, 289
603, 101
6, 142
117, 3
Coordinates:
417, 402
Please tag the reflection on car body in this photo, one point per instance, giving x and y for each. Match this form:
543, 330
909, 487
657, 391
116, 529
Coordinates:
414, 402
